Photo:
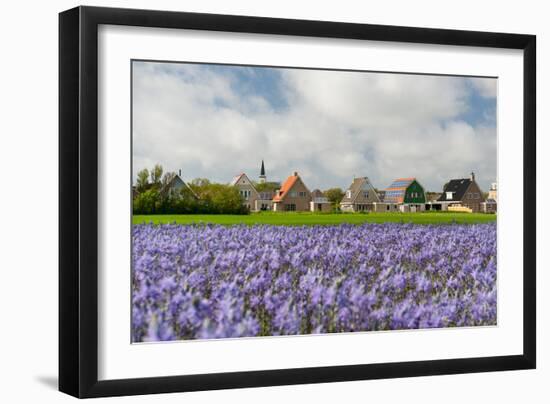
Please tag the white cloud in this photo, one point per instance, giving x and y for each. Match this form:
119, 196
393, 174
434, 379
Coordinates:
336, 125
487, 87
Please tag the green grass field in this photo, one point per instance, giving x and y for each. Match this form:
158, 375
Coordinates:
307, 218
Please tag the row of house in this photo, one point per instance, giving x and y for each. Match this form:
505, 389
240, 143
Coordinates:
403, 194
292, 196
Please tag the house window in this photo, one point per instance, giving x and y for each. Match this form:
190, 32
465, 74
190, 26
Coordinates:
302, 194
387, 207
293, 194
476, 195
366, 194
290, 207
449, 195
348, 194
245, 193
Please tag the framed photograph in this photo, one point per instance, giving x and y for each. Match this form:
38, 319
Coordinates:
250, 201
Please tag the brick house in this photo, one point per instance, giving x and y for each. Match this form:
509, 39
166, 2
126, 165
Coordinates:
292, 196
462, 192
247, 190
360, 196
405, 195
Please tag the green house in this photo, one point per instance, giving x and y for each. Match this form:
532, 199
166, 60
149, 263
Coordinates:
405, 191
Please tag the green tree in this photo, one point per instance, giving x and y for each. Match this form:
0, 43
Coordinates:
156, 174
227, 199
147, 202
335, 196
220, 198
142, 180
202, 196
182, 202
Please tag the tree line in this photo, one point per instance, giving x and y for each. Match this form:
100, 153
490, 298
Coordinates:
154, 194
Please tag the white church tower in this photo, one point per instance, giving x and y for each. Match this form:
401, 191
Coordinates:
262, 174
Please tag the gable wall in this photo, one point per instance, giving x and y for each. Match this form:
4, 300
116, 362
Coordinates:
245, 184
372, 196
473, 197
415, 187
301, 202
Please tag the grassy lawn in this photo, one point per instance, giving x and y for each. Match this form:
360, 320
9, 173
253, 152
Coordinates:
307, 218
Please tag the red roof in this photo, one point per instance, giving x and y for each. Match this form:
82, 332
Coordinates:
288, 184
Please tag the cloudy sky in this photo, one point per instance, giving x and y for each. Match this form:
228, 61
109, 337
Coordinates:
217, 121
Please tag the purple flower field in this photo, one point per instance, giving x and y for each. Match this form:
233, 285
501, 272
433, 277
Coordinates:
210, 281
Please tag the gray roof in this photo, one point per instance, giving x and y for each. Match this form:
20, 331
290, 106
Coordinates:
177, 179
458, 187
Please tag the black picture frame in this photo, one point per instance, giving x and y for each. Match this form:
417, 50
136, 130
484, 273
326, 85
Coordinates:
78, 200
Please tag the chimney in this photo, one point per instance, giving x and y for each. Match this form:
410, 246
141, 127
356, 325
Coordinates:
295, 173
472, 176
179, 173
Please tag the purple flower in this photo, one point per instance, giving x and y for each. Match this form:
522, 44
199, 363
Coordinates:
209, 281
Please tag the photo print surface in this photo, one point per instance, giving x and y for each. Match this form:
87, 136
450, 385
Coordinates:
276, 201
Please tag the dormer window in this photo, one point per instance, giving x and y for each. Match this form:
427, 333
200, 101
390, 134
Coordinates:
449, 195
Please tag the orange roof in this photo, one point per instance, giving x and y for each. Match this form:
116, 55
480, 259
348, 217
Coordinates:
289, 183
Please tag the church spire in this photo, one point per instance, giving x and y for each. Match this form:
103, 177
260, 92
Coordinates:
262, 173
